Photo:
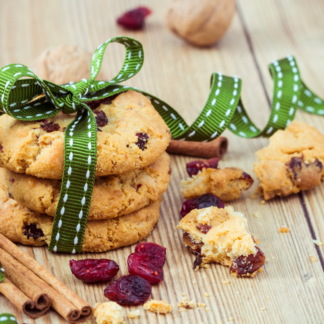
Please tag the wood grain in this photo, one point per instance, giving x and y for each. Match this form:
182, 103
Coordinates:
290, 290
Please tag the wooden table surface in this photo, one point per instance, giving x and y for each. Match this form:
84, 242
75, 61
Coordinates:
290, 289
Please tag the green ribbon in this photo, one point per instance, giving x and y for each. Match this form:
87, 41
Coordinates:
224, 109
7, 318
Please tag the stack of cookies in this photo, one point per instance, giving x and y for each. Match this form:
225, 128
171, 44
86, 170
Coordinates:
133, 171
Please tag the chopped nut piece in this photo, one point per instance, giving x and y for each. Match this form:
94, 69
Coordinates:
313, 259
256, 214
284, 229
226, 282
318, 242
158, 306
109, 312
133, 315
201, 305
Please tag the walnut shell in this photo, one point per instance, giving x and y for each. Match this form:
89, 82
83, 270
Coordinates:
201, 22
64, 63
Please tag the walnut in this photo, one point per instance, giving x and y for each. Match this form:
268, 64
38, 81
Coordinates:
201, 22
64, 63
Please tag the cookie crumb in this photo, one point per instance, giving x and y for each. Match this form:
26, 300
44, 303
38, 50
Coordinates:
313, 259
268, 297
284, 229
256, 214
182, 310
186, 304
183, 294
226, 282
109, 312
158, 306
231, 319
262, 202
205, 265
133, 315
262, 309
207, 309
201, 305
318, 242
194, 281
206, 294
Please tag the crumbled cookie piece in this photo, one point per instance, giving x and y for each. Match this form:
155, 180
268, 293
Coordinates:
226, 282
186, 304
262, 202
206, 294
262, 309
108, 313
207, 309
133, 315
228, 241
318, 242
227, 184
284, 229
158, 306
256, 214
292, 161
313, 259
201, 305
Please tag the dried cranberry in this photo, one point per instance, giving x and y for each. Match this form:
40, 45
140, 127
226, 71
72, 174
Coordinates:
134, 19
142, 140
204, 201
203, 228
248, 264
1, 149
50, 127
129, 290
101, 118
155, 252
10, 195
96, 103
32, 231
139, 186
63, 129
11, 180
194, 167
170, 170
141, 265
197, 262
92, 270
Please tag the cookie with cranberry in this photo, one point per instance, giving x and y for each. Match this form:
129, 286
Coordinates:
227, 184
293, 161
131, 135
113, 195
221, 235
20, 224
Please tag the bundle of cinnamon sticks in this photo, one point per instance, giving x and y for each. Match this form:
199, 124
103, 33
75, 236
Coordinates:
33, 290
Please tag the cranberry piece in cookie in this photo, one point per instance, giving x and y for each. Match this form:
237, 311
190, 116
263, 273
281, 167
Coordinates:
31, 230
134, 19
142, 140
194, 167
92, 270
50, 127
204, 201
130, 290
101, 118
246, 265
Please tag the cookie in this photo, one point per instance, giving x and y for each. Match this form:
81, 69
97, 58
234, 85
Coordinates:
63, 64
293, 161
20, 224
113, 195
227, 184
221, 235
131, 135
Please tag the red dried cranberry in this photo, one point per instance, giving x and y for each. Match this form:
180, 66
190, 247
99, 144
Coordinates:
1, 149
155, 252
197, 262
101, 118
129, 290
142, 140
96, 103
203, 228
92, 270
32, 231
248, 264
139, 186
194, 167
10, 195
170, 170
134, 19
204, 201
50, 127
11, 180
139, 264
63, 129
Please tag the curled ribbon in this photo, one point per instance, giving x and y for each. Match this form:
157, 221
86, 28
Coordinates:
20, 98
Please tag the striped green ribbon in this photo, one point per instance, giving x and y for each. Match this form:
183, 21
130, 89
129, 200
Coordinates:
7, 318
19, 97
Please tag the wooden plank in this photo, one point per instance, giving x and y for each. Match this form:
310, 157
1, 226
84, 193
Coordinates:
179, 73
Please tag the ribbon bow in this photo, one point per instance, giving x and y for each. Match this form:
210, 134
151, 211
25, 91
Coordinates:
32, 98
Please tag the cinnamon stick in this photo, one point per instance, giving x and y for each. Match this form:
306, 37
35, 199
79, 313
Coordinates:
215, 148
64, 307
20, 300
